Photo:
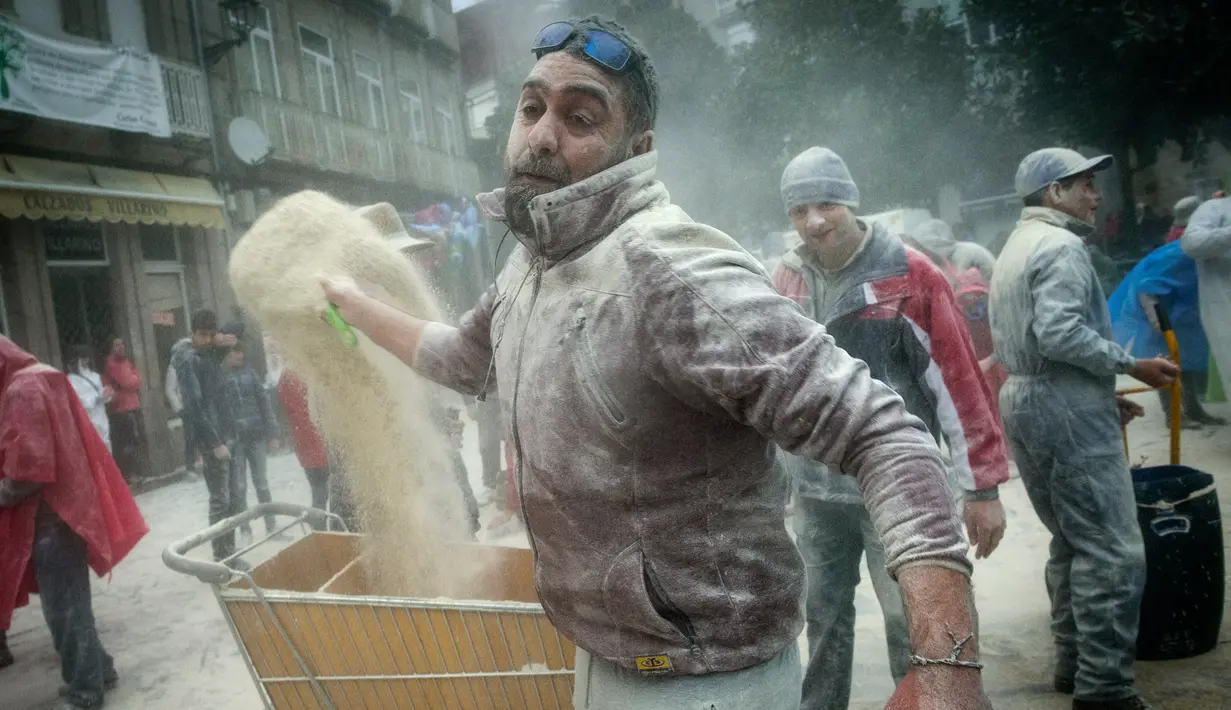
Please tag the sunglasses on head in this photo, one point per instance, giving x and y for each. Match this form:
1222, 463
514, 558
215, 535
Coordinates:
603, 48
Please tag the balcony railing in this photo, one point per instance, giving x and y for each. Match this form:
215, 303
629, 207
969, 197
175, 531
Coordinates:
305, 137
187, 98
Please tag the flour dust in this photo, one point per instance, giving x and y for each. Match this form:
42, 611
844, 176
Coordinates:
370, 407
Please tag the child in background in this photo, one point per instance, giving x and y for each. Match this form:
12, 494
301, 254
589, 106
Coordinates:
255, 426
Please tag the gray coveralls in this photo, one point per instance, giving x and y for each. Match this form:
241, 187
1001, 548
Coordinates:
1052, 332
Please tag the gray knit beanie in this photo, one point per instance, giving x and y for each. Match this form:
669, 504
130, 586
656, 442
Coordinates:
817, 176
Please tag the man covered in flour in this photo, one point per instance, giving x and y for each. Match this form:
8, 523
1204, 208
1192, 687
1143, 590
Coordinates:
646, 369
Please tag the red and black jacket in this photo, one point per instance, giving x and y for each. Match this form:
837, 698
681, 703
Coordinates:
900, 317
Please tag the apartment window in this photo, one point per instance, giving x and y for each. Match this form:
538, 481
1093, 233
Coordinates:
739, 35
448, 131
86, 18
412, 109
319, 75
39, 15
481, 102
371, 92
977, 33
126, 19
264, 56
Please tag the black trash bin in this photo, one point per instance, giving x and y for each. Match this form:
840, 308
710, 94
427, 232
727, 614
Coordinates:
1181, 612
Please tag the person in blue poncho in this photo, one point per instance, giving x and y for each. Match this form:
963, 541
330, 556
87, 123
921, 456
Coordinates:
1167, 277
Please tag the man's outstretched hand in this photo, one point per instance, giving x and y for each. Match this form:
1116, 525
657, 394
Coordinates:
985, 525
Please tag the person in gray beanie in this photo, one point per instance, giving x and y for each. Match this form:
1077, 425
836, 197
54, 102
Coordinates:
892, 308
645, 364
1051, 330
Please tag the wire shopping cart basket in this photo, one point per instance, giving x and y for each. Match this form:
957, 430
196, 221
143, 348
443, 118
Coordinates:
318, 634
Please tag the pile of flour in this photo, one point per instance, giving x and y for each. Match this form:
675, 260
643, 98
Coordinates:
368, 405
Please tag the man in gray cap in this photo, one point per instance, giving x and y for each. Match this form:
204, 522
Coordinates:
645, 364
891, 307
1052, 333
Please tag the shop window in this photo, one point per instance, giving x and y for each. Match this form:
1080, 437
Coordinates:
159, 243
77, 266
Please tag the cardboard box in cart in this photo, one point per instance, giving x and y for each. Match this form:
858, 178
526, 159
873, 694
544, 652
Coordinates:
316, 636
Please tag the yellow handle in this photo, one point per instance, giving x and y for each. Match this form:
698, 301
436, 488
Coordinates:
1173, 348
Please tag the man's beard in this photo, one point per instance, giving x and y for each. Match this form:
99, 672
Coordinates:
518, 192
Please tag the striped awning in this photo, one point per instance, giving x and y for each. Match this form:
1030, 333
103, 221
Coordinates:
35, 188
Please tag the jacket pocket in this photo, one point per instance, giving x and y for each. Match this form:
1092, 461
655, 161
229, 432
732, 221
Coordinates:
664, 607
628, 600
592, 376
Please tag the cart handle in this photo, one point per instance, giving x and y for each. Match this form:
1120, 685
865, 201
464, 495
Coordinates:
1173, 351
210, 572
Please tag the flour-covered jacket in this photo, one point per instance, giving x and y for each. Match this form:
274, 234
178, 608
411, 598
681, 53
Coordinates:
898, 314
1208, 241
1049, 314
644, 364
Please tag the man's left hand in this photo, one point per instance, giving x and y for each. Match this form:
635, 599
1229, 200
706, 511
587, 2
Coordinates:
1129, 410
985, 526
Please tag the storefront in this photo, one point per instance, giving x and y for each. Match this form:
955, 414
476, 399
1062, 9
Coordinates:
89, 253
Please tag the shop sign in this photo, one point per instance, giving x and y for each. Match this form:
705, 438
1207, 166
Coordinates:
37, 204
108, 86
75, 246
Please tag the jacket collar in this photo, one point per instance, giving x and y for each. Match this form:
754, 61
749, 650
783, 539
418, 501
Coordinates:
883, 257
1056, 218
586, 211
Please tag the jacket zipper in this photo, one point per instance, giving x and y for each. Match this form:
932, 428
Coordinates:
537, 265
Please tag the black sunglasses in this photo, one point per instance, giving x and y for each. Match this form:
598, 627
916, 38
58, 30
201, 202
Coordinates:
604, 48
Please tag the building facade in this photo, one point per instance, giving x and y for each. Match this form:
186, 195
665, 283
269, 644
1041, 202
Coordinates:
119, 203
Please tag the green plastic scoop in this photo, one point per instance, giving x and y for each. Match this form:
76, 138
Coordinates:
345, 332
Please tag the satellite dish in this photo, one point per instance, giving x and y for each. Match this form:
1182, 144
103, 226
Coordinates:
248, 141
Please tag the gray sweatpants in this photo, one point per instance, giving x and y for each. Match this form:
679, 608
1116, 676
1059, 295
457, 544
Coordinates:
833, 537
772, 685
1066, 438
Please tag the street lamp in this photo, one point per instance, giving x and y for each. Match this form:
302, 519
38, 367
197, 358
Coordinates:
242, 16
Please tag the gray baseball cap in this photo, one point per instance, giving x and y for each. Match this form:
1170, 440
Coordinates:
1043, 167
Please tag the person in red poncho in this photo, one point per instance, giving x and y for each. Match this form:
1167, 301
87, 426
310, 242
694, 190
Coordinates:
64, 509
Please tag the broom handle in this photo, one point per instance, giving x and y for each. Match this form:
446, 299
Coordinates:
1173, 350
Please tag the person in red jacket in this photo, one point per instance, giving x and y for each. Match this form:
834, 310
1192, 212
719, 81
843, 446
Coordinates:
309, 447
127, 428
64, 509
892, 308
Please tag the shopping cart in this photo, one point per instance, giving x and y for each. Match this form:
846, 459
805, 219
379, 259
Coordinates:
1181, 526
317, 633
